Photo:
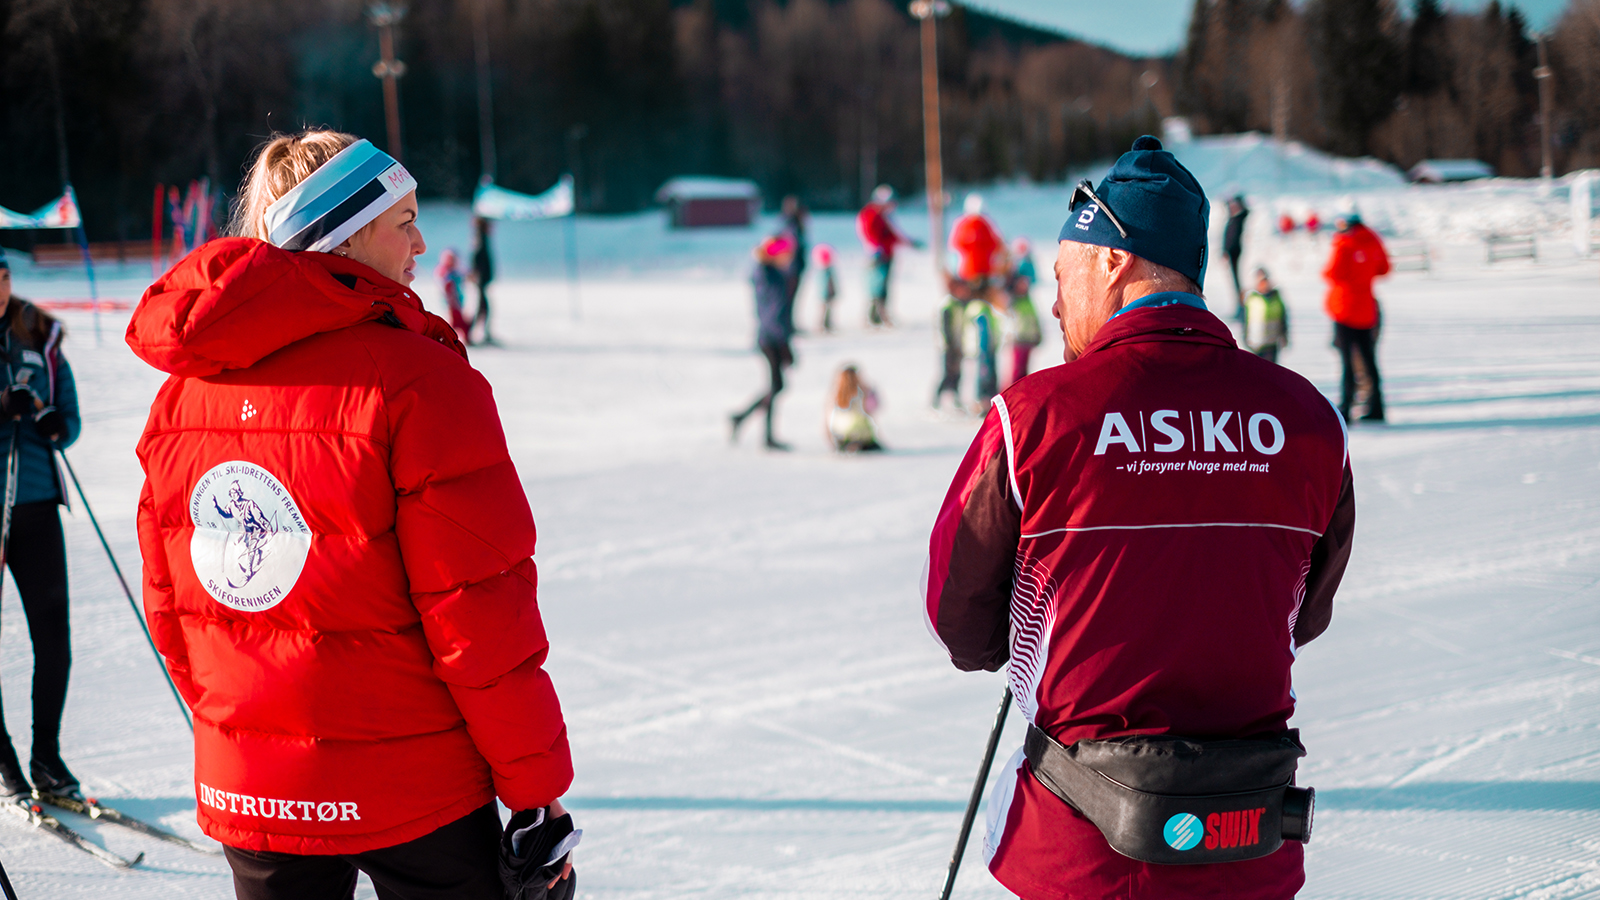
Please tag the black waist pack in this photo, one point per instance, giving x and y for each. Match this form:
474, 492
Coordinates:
1180, 801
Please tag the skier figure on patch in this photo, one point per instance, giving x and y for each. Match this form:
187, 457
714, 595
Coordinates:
251, 544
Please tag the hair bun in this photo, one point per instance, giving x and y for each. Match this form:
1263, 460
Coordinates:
1147, 143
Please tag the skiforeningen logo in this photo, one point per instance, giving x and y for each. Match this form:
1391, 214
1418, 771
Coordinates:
1240, 828
1183, 831
273, 808
1169, 430
250, 541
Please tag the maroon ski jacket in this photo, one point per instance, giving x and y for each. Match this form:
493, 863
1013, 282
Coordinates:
1147, 535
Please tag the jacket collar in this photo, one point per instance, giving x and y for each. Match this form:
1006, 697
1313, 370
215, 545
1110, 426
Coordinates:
1170, 317
1163, 298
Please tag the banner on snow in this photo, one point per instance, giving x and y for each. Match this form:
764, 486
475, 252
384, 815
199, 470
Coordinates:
61, 212
492, 202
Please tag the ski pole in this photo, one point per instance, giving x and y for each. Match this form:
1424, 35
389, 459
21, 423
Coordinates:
977, 793
137, 614
5, 884
11, 499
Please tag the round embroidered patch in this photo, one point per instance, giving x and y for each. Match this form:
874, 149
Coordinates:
250, 542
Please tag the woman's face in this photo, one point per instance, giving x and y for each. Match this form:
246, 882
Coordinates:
391, 242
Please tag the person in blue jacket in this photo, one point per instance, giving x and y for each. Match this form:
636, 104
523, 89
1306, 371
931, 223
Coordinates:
38, 415
774, 328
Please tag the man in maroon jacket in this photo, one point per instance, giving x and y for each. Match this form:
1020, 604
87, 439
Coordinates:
1147, 534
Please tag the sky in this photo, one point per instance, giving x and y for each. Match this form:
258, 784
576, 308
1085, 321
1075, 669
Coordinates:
1155, 27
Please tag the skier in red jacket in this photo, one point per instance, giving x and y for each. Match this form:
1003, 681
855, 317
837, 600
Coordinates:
1146, 534
980, 251
345, 598
880, 236
1356, 259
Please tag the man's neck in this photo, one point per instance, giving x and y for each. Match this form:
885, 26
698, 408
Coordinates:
1138, 290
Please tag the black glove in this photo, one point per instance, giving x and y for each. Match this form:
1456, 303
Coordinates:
50, 423
16, 401
533, 851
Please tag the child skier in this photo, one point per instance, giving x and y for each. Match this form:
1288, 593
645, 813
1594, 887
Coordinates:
451, 279
1024, 317
849, 418
952, 329
823, 254
983, 332
1266, 322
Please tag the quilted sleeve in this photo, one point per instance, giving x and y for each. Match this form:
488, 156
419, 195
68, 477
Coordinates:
466, 537
166, 629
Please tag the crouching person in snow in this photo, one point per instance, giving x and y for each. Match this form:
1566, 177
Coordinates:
346, 601
849, 417
1080, 543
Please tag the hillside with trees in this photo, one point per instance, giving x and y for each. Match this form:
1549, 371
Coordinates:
812, 97
1365, 77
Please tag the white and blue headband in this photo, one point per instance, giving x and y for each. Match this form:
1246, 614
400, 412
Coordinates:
336, 200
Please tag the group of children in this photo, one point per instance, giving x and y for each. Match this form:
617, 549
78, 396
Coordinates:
978, 316
987, 308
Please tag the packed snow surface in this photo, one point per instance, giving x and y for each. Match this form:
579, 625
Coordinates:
756, 709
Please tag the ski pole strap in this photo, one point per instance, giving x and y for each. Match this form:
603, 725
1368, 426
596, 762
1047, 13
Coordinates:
1174, 800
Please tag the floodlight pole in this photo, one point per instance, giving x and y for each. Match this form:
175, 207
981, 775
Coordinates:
574, 135
1547, 167
388, 69
929, 11
480, 27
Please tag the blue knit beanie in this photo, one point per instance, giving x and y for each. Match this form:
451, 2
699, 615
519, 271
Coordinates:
1161, 205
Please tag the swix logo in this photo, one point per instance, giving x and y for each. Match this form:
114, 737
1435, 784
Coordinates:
246, 411
1183, 831
1241, 828
1169, 430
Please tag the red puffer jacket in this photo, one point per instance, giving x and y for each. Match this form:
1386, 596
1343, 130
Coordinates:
1357, 258
337, 557
977, 245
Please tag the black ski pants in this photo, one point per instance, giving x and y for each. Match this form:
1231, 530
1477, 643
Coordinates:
482, 313
459, 861
1363, 341
36, 554
779, 357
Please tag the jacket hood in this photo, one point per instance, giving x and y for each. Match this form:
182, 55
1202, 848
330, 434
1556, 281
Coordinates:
236, 300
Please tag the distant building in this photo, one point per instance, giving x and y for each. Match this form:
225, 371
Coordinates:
1439, 171
700, 201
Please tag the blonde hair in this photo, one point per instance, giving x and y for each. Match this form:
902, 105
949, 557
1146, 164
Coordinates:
283, 161
845, 388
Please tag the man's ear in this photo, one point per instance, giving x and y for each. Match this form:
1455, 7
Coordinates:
1117, 263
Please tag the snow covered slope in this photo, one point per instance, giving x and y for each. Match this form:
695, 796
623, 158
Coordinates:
755, 707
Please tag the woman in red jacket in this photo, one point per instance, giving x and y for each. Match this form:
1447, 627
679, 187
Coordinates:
1357, 258
345, 598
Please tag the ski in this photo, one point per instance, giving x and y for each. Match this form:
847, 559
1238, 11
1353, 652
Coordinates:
95, 810
35, 816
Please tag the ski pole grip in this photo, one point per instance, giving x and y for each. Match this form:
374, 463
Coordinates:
1298, 805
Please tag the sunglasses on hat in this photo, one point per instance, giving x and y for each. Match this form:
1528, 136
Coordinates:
1084, 193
